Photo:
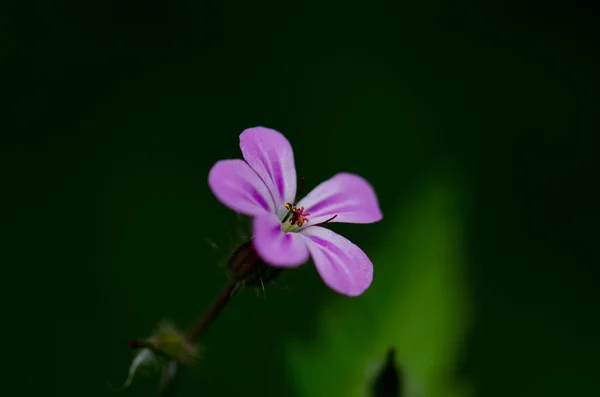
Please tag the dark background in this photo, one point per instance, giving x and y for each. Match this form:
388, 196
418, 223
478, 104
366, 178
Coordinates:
114, 111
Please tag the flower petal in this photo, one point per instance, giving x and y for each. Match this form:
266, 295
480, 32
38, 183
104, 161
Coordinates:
276, 247
238, 187
343, 266
348, 196
270, 154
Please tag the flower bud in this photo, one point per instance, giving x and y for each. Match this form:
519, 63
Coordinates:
164, 351
170, 344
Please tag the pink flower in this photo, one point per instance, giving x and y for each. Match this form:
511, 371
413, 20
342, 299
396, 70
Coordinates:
286, 233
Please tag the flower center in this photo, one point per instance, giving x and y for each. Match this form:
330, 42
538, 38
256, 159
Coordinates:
296, 216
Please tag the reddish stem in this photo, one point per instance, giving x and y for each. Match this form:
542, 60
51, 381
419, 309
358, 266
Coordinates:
241, 263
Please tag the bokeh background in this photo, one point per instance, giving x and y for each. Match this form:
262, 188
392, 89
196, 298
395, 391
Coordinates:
476, 122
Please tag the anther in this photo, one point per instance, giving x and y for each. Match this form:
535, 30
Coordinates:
297, 216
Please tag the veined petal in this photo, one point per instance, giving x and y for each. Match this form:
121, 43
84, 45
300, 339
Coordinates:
348, 196
343, 266
270, 154
276, 247
238, 187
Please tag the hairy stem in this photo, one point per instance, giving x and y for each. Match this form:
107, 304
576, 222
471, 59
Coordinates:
241, 263
212, 311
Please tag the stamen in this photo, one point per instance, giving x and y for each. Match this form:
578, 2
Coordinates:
327, 221
299, 190
296, 215
291, 208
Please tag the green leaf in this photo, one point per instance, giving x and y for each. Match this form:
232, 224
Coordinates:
417, 304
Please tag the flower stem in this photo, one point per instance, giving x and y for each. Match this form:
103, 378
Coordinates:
241, 262
212, 311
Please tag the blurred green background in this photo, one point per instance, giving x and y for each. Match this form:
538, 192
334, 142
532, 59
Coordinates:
476, 123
